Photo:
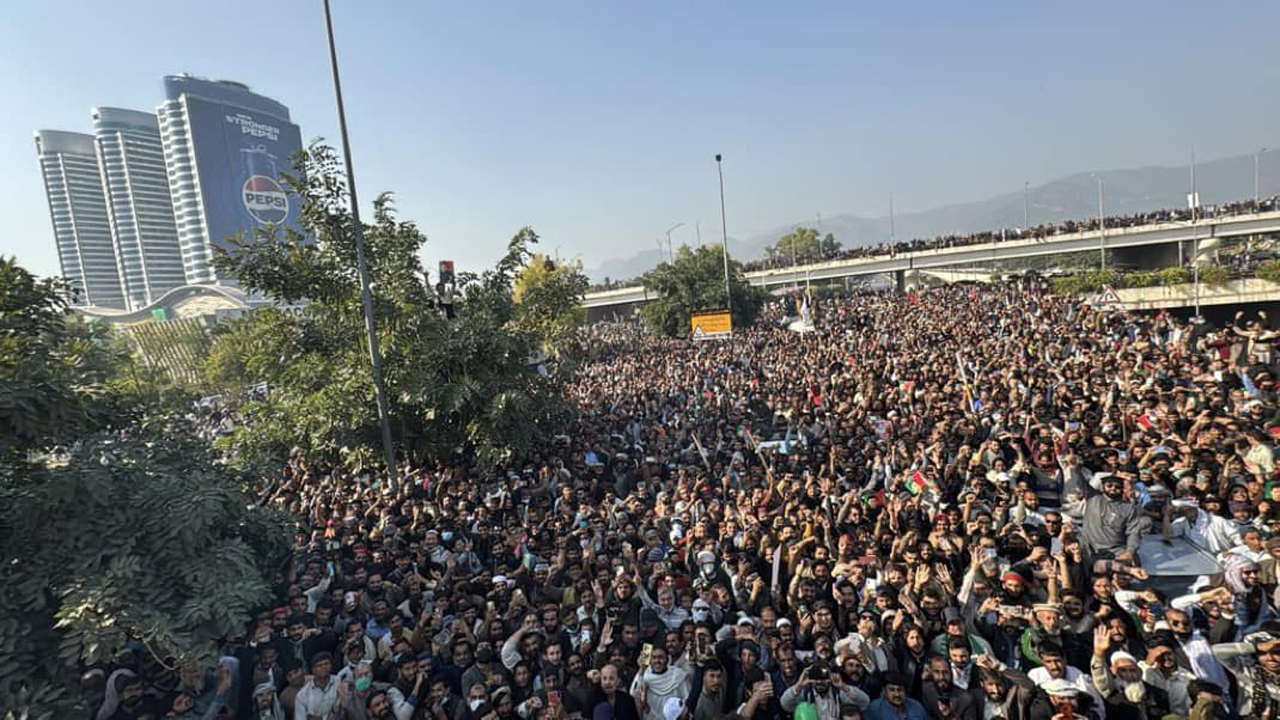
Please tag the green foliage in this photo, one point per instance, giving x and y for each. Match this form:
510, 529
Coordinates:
1083, 282
548, 300
803, 246
461, 385
695, 282
1142, 278
136, 538
1215, 275
56, 370
1269, 270
1174, 276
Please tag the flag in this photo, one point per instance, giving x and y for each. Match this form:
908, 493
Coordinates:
912, 298
917, 483
907, 386
1144, 421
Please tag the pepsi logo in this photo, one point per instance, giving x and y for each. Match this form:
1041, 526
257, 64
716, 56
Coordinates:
265, 200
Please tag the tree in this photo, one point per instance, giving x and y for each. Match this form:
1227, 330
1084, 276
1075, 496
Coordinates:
56, 370
548, 298
129, 532
694, 282
464, 385
804, 245
140, 538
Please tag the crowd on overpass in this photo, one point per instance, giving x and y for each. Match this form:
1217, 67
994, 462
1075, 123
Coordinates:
1038, 232
932, 506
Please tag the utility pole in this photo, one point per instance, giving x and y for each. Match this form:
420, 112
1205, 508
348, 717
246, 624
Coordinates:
724, 238
1026, 205
362, 266
1257, 176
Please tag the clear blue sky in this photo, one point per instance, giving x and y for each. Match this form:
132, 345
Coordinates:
595, 121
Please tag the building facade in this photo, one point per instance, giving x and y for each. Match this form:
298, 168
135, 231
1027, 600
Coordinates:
226, 149
136, 187
81, 225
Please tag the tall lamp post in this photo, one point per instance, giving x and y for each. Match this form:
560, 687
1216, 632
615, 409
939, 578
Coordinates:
1257, 176
1102, 224
671, 253
366, 298
724, 238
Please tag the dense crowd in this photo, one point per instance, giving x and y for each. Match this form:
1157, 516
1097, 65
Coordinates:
934, 506
1038, 232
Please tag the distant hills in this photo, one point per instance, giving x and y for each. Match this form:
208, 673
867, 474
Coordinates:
1072, 197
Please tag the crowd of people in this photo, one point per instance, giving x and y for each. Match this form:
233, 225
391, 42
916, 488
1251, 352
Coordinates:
932, 506
1038, 232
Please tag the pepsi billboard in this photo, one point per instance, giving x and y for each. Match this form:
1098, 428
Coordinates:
240, 157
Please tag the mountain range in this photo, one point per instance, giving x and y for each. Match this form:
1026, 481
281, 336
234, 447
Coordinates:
1072, 197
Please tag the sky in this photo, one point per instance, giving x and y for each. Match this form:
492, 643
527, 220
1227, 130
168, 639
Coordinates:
596, 121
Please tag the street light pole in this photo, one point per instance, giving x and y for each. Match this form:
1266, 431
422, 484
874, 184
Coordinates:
671, 252
1026, 205
362, 266
724, 238
1102, 224
1257, 176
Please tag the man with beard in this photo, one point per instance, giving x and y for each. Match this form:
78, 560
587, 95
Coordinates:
893, 703
265, 705
708, 698
1053, 667
825, 691
1160, 670
654, 684
621, 705
1193, 651
1255, 665
1112, 526
1002, 693
132, 705
319, 692
940, 696
403, 696
954, 627
1119, 682
1047, 622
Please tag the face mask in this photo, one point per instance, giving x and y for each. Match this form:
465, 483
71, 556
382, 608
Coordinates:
363, 684
475, 703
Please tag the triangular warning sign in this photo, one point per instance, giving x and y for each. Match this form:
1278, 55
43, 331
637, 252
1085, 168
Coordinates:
1108, 296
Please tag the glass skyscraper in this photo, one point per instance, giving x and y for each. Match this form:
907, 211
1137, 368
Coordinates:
78, 208
226, 149
136, 187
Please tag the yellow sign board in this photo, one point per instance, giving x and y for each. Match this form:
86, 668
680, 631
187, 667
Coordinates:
712, 325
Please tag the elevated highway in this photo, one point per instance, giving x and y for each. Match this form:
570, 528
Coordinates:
1149, 236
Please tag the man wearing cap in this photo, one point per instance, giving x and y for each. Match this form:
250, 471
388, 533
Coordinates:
1255, 664
1119, 681
1112, 526
825, 690
953, 626
1060, 700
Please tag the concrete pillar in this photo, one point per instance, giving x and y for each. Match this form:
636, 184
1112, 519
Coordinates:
900, 281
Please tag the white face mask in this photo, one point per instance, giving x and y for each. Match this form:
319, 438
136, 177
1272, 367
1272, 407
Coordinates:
475, 703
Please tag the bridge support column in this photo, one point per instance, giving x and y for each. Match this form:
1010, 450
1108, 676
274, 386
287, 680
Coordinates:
900, 281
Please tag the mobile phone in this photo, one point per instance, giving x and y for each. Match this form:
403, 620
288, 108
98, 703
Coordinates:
329, 566
867, 560
646, 651
1055, 546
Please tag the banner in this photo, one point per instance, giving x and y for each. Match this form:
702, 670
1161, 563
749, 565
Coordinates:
713, 325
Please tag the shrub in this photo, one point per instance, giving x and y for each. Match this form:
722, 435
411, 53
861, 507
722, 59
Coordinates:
1215, 275
1269, 270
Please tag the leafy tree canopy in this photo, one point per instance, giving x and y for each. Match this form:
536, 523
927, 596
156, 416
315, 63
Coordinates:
548, 298
114, 529
694, 282
462, 385
804, 245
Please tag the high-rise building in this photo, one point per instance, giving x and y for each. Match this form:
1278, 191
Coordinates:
136, 188
225, 149
81, 228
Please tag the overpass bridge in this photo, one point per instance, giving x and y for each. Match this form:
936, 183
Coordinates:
1143, 236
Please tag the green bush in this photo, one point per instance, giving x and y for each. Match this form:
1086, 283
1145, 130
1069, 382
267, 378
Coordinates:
1174, 276
1142, 278
1084, 282
1270, 270
1215, 275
